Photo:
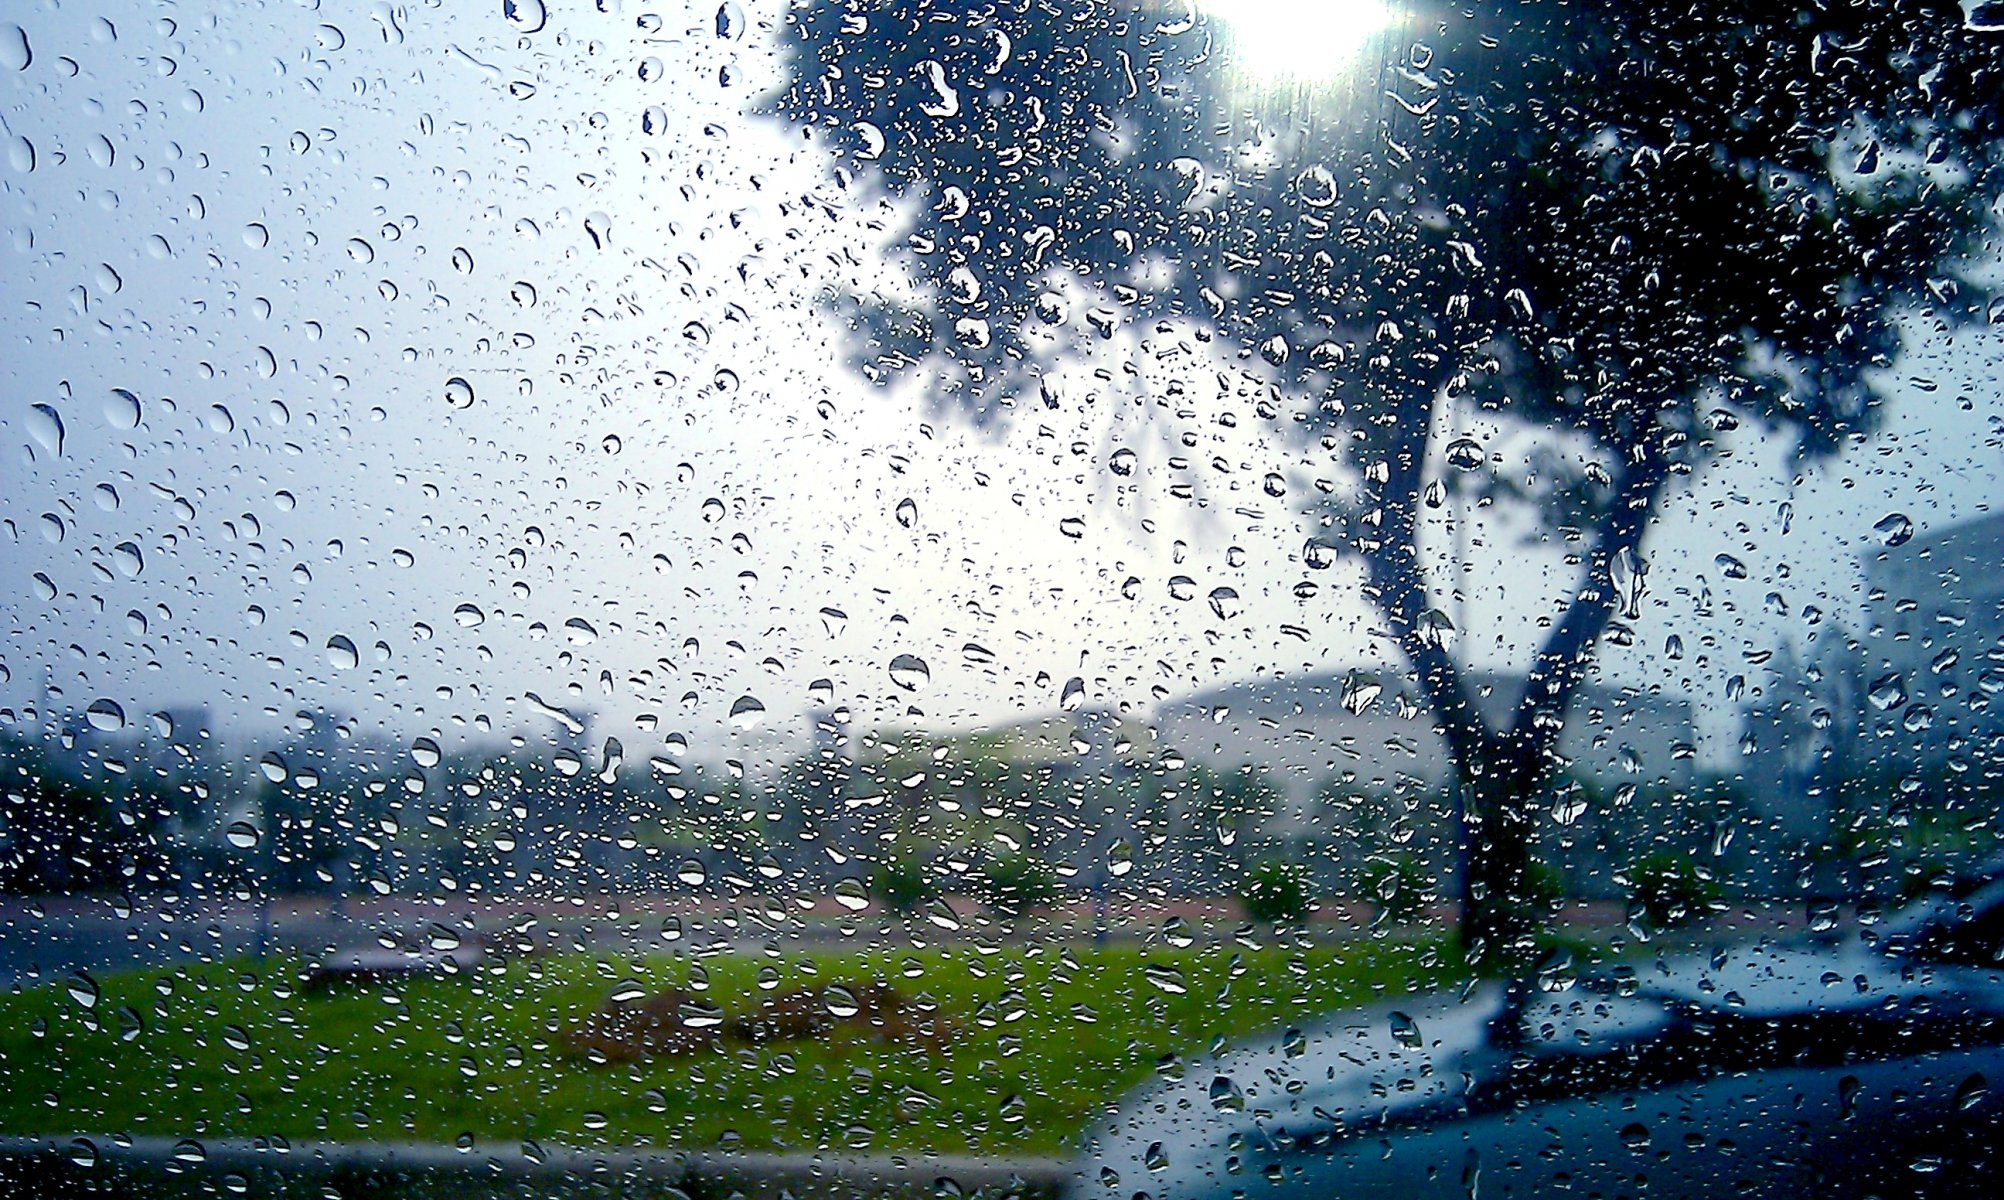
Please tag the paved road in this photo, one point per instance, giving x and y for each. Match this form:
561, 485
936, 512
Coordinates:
43, 939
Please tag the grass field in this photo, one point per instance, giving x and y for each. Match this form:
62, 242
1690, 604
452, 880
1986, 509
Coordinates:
1047, 1035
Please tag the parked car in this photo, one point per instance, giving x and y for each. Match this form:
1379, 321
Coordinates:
1859, 1066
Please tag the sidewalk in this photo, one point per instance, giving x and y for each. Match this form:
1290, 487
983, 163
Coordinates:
149, 1167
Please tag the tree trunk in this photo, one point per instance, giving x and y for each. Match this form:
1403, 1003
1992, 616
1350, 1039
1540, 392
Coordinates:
1500, 776
1501, 899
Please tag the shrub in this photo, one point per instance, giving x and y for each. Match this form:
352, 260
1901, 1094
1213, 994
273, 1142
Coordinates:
1400, 885
1276, 891
1017, 883
1671, 888
902, 884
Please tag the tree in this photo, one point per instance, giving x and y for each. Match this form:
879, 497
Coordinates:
1626, 228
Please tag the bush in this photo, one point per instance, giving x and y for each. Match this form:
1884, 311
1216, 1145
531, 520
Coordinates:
902, 884
1671, 889
1017, 883
1276, 892
1399, 884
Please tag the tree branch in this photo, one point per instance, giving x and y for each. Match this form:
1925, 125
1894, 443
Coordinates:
1399, 591
1561, 663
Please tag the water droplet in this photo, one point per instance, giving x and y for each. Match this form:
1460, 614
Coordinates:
1122, 462
579, 632
1888, 691
1318, 554
1072, 527
83, 1153
1073, 694
273, 766
730, 21
1119, 859
242, 834
341, 653
1406, 1031
1971, 1093
121, 409
841, 1001
1225, 603
105, 715
1894, 529
458, 392
747, 712
526, 16
426, 753
1182, 587
45, 425
1226, 1095
910, 672
1316, 187
21, 154
598, 226
945, 100
15, 52
1464, 454
469, 616
692, 873
851, 894
907, 513
220, 420
82, 989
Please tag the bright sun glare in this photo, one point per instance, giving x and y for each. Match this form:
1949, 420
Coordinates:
1301, 39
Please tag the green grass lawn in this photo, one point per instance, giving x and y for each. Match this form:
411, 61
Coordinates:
1048, 1035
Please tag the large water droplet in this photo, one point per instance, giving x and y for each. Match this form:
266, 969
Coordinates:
82, 989
1406, 1031
15, 52
242, 834
525, 16
341, 653
458, 392
730, 21
45, 425
106, 715
1888, 691
1361, 689
1894, 529
747, 712
910, 672
1464, 454
121, 409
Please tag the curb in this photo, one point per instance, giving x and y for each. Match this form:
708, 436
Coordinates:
147, 1166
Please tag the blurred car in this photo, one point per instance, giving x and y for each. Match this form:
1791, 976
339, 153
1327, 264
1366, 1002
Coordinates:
1822, 1067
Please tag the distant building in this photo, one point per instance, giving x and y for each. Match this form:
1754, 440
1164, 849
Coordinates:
1935, 638
1375, 734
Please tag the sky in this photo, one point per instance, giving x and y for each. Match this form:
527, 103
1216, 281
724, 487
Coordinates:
426, 365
